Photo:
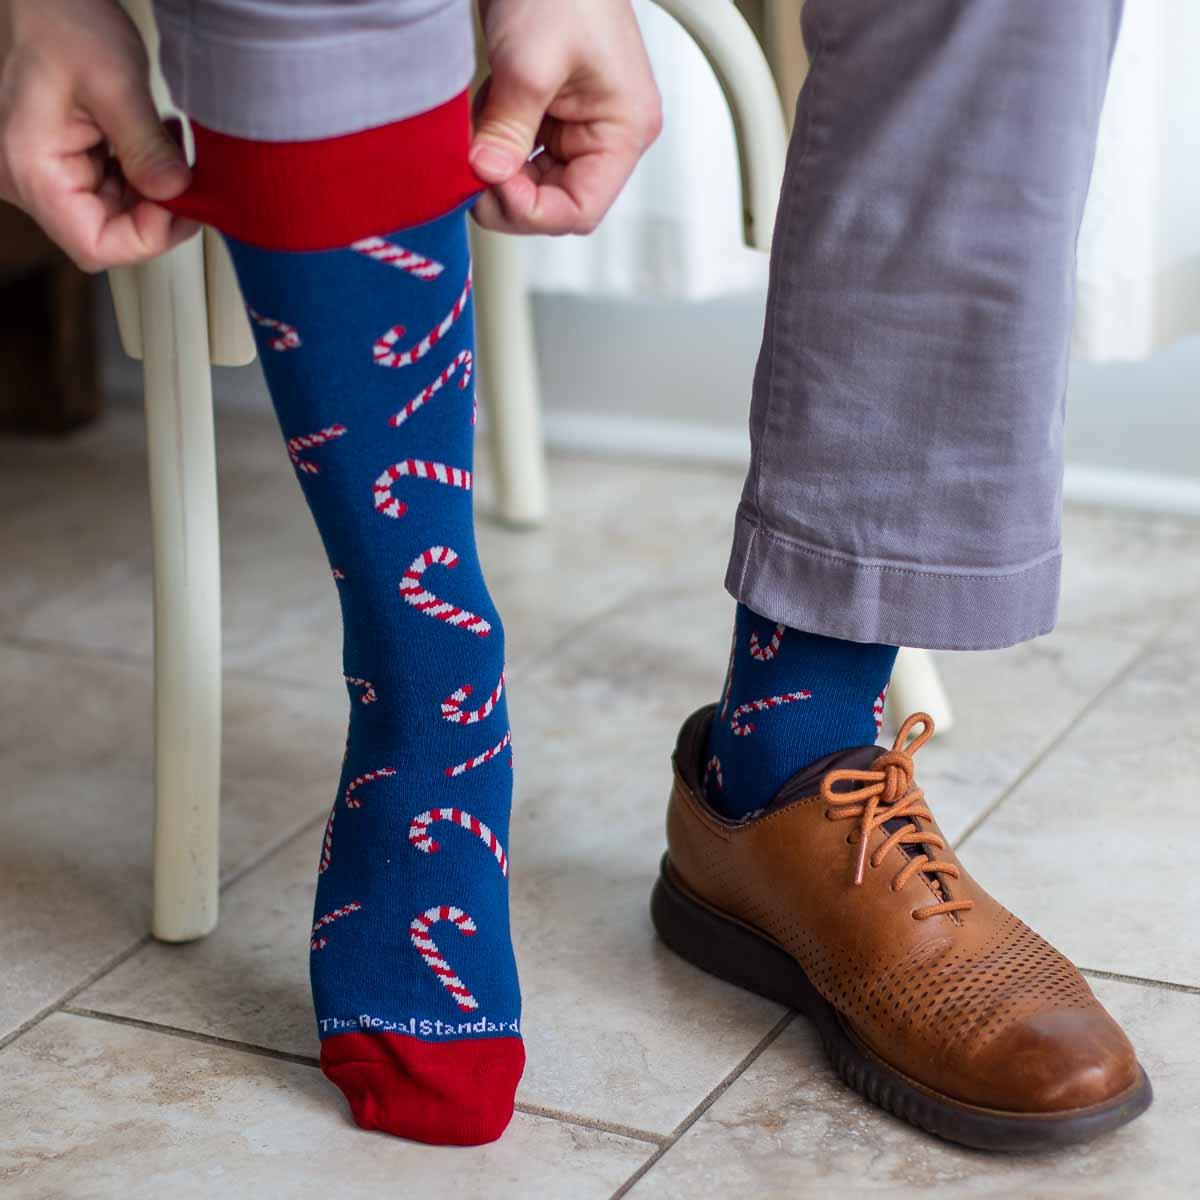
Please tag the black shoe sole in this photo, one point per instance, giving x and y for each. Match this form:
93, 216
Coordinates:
734, 952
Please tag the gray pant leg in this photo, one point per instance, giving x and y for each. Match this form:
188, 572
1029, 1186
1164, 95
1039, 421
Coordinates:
293, 70
906, 424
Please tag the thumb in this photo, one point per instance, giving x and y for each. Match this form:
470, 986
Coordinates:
510, 109
150, 159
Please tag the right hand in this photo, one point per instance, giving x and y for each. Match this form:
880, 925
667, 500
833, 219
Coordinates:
82, 149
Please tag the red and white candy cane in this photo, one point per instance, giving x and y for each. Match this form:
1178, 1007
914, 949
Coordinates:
464, 359
368, 696
767, 702
767, 652
381, 250
416, 468
713, 768
418, 931
471, 763
307, 441
384, 350
339, 574
452, 706
327, 844
352, 801
877, 708
416, 594
319, 943
288, 338
418, 832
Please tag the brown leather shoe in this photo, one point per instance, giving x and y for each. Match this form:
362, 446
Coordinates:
842, 900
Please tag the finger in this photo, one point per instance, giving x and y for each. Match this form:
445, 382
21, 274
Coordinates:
511, 108
149, 157
552, 197
110, 227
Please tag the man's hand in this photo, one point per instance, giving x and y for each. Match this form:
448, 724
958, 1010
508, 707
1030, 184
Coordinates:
81, 147
572, 77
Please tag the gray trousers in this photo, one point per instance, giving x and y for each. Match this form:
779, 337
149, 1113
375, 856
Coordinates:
907, 413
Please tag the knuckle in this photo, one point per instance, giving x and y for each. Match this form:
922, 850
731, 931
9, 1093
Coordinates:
652, 123
113, 89
535, 80
86, 261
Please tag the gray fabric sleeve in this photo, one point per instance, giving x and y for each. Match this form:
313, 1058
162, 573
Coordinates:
293, 70
907, 413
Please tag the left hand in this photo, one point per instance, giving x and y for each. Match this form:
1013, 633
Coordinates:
572, 77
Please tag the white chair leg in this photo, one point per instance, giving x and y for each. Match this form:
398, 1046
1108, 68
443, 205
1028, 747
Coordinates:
187, 598
740, 65
509, 380
917, 687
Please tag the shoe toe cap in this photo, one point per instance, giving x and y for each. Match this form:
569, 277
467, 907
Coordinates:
1053, 1062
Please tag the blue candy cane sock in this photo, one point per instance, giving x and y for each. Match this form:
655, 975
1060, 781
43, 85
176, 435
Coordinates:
367, 350
790, 698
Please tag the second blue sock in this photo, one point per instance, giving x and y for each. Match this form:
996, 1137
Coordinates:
789, 699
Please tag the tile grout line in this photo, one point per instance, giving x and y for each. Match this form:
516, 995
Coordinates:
110, 964
189, 1035
62, 1004
1141, 980
1098, 697
307, 1060
568, 1118
261, 857
706, 1104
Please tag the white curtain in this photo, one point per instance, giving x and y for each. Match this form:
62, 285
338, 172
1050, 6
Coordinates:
1139, 249
675, 233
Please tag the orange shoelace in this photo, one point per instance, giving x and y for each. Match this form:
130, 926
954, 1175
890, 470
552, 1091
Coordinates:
887, 794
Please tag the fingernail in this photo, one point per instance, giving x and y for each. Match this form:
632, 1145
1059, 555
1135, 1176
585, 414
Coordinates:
491, 163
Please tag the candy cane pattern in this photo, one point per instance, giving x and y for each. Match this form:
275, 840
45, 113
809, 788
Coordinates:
381, 250
452, 706
480, 759
288, 338
763, 705
418, 931
319, 943
418, 832
464, 359
307, 441
877, 708
418, 468
713, 768
767, 652
327, 845
368, 696
352, 801
339, 574
386, 356
415, 593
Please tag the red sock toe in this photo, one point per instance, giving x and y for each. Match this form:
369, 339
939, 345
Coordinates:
446, 1094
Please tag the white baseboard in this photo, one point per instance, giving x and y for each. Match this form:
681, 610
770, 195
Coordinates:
1139, 490
684, 441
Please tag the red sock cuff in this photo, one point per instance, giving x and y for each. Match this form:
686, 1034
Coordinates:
323, 194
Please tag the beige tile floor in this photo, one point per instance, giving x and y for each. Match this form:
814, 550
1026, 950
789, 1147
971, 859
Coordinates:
141, 1070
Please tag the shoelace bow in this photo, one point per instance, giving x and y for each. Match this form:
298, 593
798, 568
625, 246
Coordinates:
887, 794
